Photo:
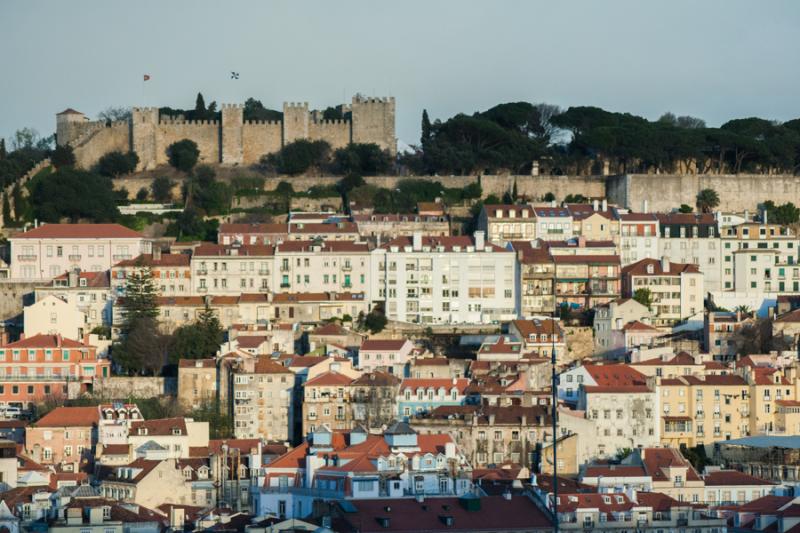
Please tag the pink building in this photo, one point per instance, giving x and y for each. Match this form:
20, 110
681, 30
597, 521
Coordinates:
65, 436
391, 355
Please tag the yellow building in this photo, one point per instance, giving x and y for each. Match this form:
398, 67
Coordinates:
700, 410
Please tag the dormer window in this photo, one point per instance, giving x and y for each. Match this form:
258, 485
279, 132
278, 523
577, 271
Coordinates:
106, 512
142, 431
650, 269
176, 431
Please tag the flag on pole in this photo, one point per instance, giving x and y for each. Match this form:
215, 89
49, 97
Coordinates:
146, 77
234, 75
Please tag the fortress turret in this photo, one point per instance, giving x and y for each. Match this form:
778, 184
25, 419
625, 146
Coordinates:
69, 125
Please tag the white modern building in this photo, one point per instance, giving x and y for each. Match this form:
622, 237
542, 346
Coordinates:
444, 280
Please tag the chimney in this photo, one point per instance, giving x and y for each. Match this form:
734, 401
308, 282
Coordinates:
552, 203
765, 216
664, 264
595, 205
746, 215
156, 253
417, 241
605, 205
176, 518
644, 206
72, 277
479, 240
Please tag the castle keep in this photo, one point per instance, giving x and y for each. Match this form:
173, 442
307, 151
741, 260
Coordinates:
229, 141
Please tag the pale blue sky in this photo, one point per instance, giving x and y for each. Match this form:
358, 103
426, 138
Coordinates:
716, 59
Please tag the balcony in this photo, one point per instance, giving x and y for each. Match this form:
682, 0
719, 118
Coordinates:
121, 257
347, 285
202, 289
263, 289
285, 268
74, 257
26, 258
285, 285
347, 268
38, 377
263, 272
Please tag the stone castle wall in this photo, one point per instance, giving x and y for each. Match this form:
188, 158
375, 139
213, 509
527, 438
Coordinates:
736, 192
231, 140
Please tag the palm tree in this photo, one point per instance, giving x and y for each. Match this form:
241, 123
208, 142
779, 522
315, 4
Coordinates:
707, 200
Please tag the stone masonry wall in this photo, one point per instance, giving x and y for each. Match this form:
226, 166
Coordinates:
97, 142
736, 192
260, 138
203, 132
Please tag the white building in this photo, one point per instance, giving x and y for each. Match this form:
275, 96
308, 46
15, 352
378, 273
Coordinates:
53, 316
554, 223
88, 292
693, 238
444, 280
677, 289
610, 319
321, 266
638, 237
53, 249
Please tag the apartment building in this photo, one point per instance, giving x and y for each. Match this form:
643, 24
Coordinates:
504, 223
586, 281
638, 238
721, 332
54, 316
326, 402
321, 266
692, 238
220, 269
298, 229
677, 289
50, 250
314, 307
441, 280
197, 382
65, 436
420, 395
494, 434
34, 368
171, 273
610, 320
262, 400
535, 279
87, 292
385, 227
699, 410
595, 221
372, 400
391, 355
553, 223
738, 240
540, 337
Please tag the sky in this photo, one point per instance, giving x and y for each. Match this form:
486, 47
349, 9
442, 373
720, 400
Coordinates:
715, 59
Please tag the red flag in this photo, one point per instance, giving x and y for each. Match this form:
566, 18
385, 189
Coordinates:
146, 77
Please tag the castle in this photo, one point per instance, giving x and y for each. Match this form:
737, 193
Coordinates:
229, 141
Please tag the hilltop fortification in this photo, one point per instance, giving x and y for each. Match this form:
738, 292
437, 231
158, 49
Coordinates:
229, 141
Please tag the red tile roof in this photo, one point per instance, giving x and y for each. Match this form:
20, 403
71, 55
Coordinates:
197, 363
93, 279
329, 379
46, 341
449, 243
62, 417
322, 247
435, 383
538, 326
733, 477
220, 250
614, 471
159, 426
167, 260
639, 268
635, 325
657, 459
587, 259
265, 365
383, 345
80, 231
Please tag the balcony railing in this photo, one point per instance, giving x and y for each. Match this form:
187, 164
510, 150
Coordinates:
121, 257
347, 268
284, 285
202, 271
26, 257
21, 378
74, 257
263, 289
202, 289
285, 268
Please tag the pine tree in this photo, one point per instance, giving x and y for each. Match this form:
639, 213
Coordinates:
426, 129
3, 152
210, 330
7, 218
200, 104
140, 296
18, 200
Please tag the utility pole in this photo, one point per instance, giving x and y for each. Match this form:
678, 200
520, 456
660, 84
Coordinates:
554, 386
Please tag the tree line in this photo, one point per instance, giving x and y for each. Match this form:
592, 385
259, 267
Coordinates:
508, 137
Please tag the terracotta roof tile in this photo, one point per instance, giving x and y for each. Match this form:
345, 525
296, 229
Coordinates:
70, 417
80, 231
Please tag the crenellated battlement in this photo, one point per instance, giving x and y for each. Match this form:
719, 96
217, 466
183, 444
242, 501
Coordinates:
229, 140
263, 123
182, 122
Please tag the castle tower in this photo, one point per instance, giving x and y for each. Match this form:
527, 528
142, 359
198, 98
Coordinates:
68, 125
295, 121
373, 122
144, 121
232, 123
